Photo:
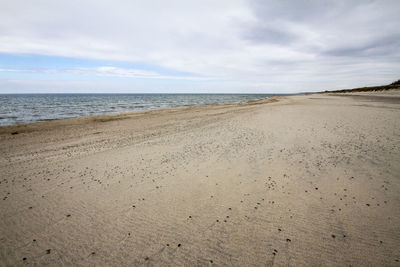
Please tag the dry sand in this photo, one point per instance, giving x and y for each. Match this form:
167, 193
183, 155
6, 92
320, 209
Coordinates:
306, 180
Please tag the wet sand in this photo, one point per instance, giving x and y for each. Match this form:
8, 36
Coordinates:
292, 181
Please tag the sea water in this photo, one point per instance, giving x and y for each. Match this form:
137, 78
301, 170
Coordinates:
26, 108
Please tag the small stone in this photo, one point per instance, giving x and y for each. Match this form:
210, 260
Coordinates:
288, 240
333, 236
48, 251
179, 245
24, 259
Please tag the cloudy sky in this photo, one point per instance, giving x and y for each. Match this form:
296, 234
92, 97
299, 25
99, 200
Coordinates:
198, 46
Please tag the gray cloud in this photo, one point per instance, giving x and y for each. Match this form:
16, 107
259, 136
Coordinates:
387, 46
272, 34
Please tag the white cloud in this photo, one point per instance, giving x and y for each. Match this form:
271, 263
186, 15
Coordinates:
108, 71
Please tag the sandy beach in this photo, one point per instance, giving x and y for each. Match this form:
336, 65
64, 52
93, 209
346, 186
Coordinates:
307, 180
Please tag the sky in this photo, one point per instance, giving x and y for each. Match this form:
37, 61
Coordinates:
188, 46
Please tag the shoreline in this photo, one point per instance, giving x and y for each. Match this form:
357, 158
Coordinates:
296, 180
110, 112
4, 129
394, 92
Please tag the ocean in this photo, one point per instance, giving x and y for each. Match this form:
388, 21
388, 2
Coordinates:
26, 108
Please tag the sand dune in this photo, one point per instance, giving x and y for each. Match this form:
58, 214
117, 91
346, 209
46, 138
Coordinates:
301, 180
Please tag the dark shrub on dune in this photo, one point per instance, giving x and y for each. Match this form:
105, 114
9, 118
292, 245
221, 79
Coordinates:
396, 83
393, 85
